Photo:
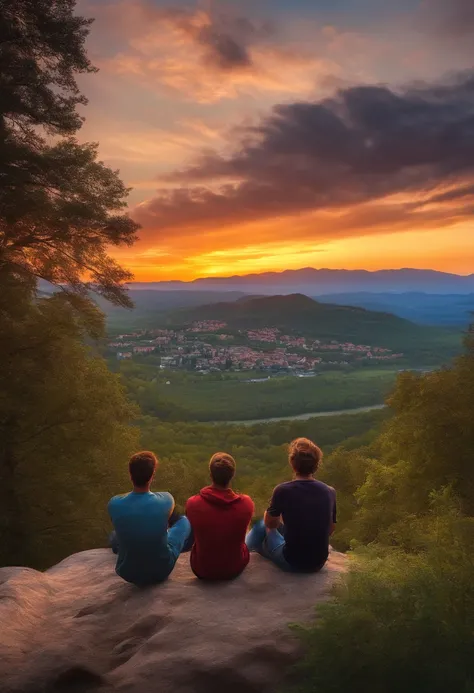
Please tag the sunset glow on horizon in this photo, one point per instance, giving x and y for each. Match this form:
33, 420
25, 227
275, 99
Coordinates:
269, 135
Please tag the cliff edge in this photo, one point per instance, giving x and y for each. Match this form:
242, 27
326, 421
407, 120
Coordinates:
79, 628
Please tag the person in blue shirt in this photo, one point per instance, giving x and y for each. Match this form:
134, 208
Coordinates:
147, 547
301, 517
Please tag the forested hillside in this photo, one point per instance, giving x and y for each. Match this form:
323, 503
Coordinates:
151, 308
182, 396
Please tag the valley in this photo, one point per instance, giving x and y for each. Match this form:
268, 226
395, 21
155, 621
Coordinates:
276, 357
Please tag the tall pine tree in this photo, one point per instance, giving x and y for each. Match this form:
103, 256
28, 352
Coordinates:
60, 208
65, 429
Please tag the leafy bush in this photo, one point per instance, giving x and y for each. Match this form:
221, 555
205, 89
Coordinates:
399, 623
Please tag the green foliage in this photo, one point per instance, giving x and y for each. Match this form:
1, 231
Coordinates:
42, 47
426, 446
64, 430
59, 206
194, 397
346, 471
400, 622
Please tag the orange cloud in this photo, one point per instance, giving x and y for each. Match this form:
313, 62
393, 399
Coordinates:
371, 235
206, 57
422, 249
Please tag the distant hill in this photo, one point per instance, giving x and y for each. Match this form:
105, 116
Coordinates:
315, 282
150, 306
150, 299
297, 312
426, 309
167, 300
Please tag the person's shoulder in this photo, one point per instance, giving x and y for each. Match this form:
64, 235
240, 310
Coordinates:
247, 500
164, 497
116, 501
192, 500
285, 484
326, 487
283, 487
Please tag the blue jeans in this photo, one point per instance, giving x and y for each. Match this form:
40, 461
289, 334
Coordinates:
180, 538
269, 544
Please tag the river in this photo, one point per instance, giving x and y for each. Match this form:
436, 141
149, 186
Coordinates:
303, 417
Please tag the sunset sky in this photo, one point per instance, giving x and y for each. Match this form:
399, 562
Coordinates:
272, 134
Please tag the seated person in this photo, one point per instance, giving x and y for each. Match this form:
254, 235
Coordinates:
307, 508
147, 548
219, 519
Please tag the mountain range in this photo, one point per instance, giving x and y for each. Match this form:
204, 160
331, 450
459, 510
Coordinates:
317, 282
423, 308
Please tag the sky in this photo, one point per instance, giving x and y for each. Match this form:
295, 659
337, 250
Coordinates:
263, 135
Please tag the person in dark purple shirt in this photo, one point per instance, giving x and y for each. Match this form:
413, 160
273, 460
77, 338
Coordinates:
295, 531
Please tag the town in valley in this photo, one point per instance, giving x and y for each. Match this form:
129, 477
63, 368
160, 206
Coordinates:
210, 346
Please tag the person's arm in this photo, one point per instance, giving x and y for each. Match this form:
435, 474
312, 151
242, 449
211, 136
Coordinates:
173, 506
332, 526
272, 517
173, 515
271, 522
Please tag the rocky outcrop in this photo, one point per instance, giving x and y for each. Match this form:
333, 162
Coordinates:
78, 627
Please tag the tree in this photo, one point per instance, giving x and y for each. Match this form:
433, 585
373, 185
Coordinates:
60, 208
424, 449
65, 433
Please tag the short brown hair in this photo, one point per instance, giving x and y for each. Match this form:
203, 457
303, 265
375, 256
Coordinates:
305, 457
142, 466
222, 468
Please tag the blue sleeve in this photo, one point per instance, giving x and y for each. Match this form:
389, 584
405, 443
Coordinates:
275, 508
167, 499
110, 506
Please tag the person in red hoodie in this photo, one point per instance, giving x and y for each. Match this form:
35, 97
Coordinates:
219, 519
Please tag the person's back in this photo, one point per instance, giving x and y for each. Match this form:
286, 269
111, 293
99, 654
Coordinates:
307, 509
147, 550
141, 523
219, 519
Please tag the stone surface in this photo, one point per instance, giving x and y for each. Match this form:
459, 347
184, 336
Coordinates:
78, 627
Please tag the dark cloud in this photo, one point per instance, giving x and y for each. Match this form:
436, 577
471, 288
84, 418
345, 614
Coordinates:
453, 18
225, 39
224, 50
364, 144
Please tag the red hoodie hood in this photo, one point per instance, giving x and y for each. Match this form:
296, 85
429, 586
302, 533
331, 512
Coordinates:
218, 496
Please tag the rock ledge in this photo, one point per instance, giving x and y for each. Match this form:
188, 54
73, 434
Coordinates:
79, 628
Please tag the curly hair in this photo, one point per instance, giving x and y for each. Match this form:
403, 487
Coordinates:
304, 456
